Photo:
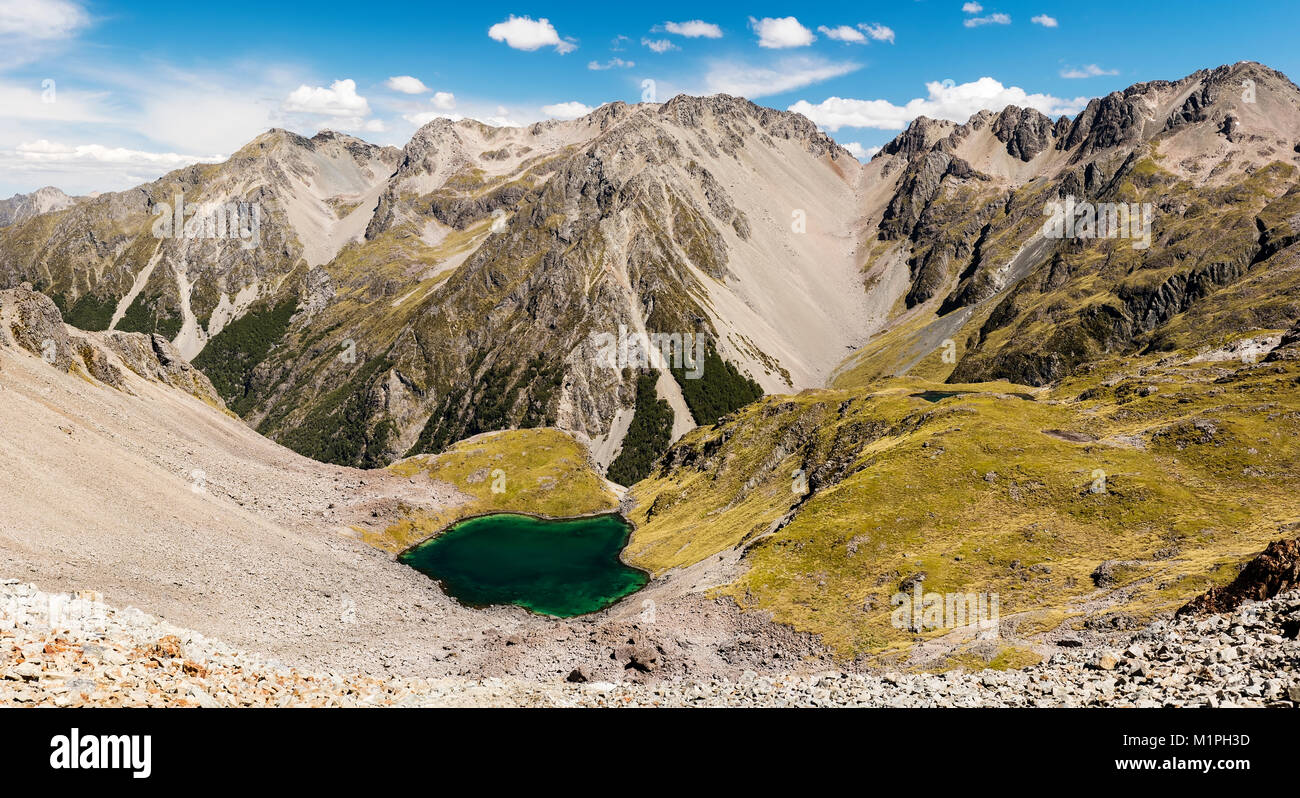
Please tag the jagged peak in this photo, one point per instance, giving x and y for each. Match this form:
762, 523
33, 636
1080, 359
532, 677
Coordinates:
1126, 116
921, 135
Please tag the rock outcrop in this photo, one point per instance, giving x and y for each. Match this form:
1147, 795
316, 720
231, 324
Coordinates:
21, 207
30, 321
1276, 570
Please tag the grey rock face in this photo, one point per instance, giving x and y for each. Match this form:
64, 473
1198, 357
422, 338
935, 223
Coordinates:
1026, 132
21, 207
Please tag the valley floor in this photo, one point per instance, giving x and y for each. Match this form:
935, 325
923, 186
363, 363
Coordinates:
98, 655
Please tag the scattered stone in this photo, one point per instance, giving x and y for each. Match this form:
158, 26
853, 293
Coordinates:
127, 658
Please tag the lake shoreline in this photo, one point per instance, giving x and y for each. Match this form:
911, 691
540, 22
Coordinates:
477, 570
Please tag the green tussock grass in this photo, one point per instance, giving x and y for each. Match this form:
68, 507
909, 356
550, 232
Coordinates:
982, 492
546, 473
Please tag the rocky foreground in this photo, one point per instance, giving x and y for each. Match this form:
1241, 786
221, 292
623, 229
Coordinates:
96, 655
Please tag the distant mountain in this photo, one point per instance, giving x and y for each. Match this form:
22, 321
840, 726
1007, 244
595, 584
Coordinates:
21, 207
961, 234
399, 301
1091, 428
1051, 361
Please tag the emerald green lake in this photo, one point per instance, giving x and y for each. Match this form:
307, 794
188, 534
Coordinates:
563, 568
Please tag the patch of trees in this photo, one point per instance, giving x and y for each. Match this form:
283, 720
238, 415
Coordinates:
719, 390
232, 354
648, 437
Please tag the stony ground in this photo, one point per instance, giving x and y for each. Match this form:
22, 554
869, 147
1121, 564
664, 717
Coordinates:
97, 655
160, 502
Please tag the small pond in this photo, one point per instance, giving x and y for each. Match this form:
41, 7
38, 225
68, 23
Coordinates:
563, 567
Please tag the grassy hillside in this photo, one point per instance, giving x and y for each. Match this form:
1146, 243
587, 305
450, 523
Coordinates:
991, 490
540, 471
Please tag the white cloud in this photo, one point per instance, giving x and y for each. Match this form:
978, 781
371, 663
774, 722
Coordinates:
1045, 21
659, 45
32, 30
972, 8
367, 125
880, 33
340, 104
84, 168
569, 110
443, 100
71, 104
991, 19
613, 63
43, 150
1089, 71
694, 29
48, 19
843, 33
956, 103
500, 117
792, 73
425, 117
406, 84
340, 99
860, 152
214, 112
525, 33
781, 32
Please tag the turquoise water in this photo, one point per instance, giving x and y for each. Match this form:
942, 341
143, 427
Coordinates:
563, 568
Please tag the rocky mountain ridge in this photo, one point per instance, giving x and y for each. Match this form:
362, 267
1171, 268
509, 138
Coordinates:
21, 207
402, 300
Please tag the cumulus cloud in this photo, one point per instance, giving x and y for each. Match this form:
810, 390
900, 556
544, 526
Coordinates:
781, 32
860, 152
43, 150
406, 84
569, 110
757, 81
695, 28
843, 33
613, 63
525, 33
425, 117
340, 99
881, 33
1089, 71
83, 168
443, 100
340, 104
659, 45
991, 19
1044, 20
956, 103
972, 8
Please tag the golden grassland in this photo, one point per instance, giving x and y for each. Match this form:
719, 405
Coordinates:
986, 491
544, 472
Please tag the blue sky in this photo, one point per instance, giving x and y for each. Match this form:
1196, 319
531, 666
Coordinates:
104, 95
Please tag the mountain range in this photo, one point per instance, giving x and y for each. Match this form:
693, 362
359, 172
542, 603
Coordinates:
919, 358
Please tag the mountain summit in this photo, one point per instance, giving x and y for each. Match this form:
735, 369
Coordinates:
397, 301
